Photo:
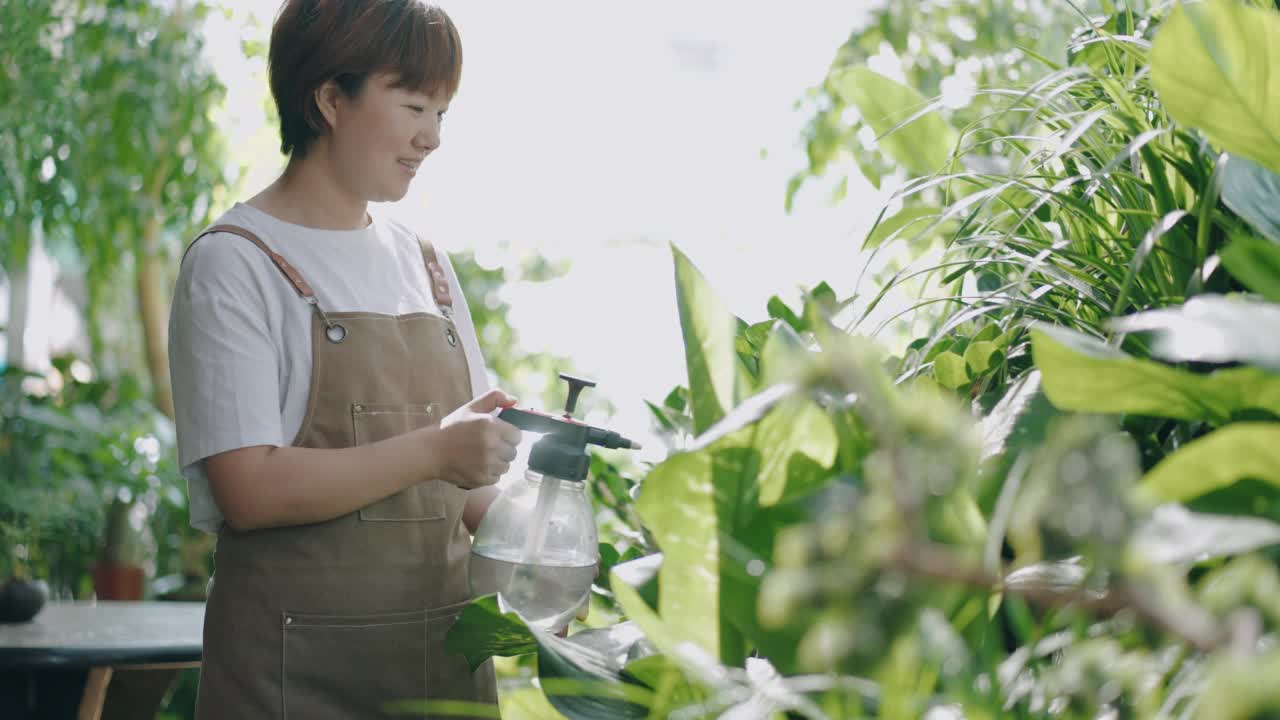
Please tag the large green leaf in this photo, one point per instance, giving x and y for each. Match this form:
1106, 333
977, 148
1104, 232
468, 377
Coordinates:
1216, 67
633, 584
1253, 192
1084, 375
1255, 263
1212, 328
702, 507
1247, 450
918, 138
710, 331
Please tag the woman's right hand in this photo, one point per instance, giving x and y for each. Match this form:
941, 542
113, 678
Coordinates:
472, 447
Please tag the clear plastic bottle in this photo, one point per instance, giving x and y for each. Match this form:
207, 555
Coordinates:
537, 547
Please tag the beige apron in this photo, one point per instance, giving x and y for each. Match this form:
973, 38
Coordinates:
335, 619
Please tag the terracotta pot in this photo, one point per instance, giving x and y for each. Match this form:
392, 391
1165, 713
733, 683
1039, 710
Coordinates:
119, 582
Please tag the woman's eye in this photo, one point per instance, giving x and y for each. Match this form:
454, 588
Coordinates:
417, 108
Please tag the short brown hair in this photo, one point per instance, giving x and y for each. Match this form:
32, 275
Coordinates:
315, 41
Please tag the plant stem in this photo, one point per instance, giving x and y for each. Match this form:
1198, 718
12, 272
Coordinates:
1190, 623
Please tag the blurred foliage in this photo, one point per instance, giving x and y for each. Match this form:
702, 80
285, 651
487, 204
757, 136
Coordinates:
70, 446
987, 526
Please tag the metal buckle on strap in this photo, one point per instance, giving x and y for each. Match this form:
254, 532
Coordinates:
335, 332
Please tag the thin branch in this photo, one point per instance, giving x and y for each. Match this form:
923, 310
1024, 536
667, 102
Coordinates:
1189, 622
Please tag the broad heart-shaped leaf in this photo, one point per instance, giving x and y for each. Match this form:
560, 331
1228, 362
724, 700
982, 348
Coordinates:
1253, 193
1216, 67
710, 331
918, 138
1176, 535
981, 356
1084, 375
701, 507
1212, 328
1255, 263
950, 370
1245, 450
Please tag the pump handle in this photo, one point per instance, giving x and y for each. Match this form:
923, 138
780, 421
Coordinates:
575, 388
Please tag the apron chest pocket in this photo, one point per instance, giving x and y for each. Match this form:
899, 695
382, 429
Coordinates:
338, 666
372, 422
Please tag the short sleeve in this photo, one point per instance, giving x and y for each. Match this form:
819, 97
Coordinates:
223, 358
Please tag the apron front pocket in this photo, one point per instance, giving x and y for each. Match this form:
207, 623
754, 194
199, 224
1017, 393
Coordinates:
373, 422
349, 666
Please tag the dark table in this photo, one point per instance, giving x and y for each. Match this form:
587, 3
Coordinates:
62, 663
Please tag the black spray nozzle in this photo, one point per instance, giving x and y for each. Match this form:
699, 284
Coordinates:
562, 451
609, 439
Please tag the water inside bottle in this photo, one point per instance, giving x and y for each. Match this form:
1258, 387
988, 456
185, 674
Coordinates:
547, 594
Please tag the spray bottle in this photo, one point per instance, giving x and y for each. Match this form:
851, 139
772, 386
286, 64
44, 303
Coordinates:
537, 545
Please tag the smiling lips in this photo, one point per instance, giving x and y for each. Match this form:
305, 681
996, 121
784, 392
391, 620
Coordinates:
411, 165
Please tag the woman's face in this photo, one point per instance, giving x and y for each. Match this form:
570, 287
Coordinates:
380, 137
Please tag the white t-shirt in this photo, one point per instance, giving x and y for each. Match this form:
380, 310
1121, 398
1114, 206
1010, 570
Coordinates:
240, 335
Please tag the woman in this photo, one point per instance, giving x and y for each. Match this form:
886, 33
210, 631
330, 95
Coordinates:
328, 385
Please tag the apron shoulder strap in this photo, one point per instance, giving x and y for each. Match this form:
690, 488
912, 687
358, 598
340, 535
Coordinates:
290, 273
436, 276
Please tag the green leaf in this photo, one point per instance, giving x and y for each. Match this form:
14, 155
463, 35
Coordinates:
527, 703
907, 223
1084, 375
982, 356
677, 399
635, 585
583, 676
672, 688
1018, 423
779, 311
1253, 193
1175, 535
1216, 67
1255, 263
699, 506
710, 336
783, 358
484, 630
907, 130
950, 370
1246, 450
661, 416
1212, 328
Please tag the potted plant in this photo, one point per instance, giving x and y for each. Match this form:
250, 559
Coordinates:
21, 595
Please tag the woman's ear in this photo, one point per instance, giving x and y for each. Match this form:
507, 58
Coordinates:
327, 97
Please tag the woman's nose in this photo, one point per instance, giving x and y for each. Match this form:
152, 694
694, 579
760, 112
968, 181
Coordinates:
428, 139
